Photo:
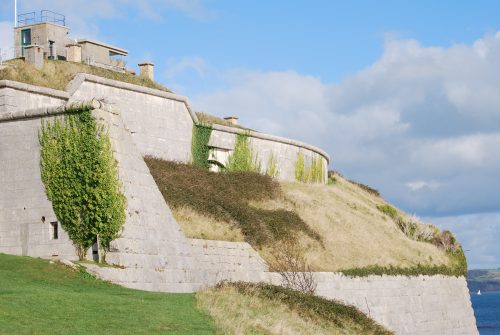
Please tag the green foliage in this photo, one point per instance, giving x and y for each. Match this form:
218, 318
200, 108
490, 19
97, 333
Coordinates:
226, 196
38, 297
80, 176
457, 268
308, 173
199, 148
300, 170
272, 166
425, 233
317, 170
312, 306
389, 211
243, 158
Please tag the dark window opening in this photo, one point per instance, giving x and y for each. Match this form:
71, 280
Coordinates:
54, 230
52, 51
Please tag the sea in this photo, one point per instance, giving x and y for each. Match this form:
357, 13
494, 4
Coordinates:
487, 311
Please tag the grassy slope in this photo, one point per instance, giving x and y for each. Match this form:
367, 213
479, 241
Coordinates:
353, 232
37, 297
265, 309
57, 74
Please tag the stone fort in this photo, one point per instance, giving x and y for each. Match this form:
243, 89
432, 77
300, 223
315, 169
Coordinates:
152, 251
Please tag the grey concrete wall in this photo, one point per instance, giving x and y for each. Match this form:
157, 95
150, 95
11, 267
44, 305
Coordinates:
23, 201
283, 150
160, 122
160, 126
408, 305
16, 96
41, 33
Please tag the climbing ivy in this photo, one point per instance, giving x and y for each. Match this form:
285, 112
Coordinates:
80, 176
199, 148
272, 166
243, 158
308, 173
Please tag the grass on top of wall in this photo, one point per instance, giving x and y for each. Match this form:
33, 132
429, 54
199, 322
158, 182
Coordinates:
243, 308
38, 297
57, 74
208, 119
226, 196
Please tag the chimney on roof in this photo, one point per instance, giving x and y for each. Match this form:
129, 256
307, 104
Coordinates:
74, 53
33, 54
147, 71
233, 120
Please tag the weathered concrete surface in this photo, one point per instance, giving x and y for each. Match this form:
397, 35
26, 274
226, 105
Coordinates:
15, 96
283, 151
160, 122
23, 201
408, 305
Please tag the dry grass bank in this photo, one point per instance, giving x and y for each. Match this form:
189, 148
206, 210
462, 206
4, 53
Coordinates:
354, 232
57, 74
265, 309
336, 227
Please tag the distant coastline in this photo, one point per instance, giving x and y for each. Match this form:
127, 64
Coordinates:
487, 280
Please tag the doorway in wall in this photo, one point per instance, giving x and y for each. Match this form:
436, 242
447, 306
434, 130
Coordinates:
25, 39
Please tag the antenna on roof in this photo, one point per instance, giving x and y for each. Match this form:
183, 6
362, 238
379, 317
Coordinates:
15, 13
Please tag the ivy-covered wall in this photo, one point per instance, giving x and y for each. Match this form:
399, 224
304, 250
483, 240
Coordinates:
81, 178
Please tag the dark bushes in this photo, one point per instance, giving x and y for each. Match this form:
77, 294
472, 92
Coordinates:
226, 196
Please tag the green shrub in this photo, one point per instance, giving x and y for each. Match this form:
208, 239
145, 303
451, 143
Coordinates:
243, 158
389, 211
457, 268
199, 147
80, 176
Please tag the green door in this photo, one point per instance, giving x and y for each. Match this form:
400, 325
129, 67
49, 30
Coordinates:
25, 39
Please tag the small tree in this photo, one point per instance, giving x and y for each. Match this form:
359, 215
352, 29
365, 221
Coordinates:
80, 176
291, 264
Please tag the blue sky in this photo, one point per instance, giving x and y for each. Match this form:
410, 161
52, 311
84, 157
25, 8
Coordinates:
405, 96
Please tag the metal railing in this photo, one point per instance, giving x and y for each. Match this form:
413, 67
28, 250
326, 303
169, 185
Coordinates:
44, 16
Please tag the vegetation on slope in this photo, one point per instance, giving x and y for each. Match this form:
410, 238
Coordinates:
38, 297
225, 197
242, 308
338, 227
57, 74
80, 176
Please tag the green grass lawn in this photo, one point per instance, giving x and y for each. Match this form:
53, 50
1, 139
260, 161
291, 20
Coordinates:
37, 297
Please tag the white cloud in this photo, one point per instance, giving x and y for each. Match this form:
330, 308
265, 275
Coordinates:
421, 184
423, 119
176, 67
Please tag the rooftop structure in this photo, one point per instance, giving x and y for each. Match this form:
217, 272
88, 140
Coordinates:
48, 31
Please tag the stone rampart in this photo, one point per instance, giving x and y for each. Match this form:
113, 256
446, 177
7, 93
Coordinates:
283, 151
157, 256
161, 123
